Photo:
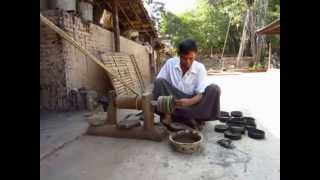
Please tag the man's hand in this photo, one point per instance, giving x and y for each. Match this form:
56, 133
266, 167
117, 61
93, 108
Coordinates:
184, 102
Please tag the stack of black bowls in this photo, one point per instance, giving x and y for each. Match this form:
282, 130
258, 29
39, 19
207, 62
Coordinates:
235, 125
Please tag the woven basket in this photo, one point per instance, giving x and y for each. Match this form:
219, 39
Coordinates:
186, 141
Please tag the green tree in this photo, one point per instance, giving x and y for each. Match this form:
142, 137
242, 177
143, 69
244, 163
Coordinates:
273, 14
208, 23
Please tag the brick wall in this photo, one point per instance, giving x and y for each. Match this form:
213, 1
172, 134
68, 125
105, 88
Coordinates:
69, 68
81, 71
53, 90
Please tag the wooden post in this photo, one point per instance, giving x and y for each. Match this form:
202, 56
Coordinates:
128, 102
148, 113
112, 109
270, 54
116, 29
153, 66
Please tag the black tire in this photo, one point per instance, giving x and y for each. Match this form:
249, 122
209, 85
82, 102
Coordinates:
224, 114
220, 128
237, 120
224, 119
256, 133
236, 113
251, 126
250, 123
237, 129
249, 120
235, 124
231, 135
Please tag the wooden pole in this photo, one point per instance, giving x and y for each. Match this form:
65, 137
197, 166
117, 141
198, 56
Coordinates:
152, 63
224, 46
148, 113
112, 109
225, 41
115, 16
126, 102
270, 53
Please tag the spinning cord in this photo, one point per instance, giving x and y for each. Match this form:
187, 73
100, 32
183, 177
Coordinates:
165, 104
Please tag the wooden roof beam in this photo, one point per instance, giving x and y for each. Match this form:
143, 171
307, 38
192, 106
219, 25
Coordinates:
138, 17
148, 18
126, 16
273, 28
123, 24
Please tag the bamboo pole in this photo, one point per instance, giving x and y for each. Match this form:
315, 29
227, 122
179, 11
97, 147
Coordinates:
224, 46
270, 53
64, 35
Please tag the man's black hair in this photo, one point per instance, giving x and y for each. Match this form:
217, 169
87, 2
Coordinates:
187, 46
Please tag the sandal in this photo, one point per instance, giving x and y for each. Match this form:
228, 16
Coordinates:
226, 143
174, 126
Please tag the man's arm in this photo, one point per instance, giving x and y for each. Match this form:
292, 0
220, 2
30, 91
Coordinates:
200, 88
185, 102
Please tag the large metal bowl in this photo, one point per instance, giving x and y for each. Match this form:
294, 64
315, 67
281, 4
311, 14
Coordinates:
186, 141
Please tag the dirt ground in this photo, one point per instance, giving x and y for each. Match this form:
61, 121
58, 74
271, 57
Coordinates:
256, 94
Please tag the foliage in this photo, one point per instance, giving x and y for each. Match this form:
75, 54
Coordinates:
273, 14
256, 66
208, 23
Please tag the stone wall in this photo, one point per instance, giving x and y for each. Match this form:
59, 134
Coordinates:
63, 67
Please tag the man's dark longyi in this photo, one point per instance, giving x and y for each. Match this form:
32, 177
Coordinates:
207, 109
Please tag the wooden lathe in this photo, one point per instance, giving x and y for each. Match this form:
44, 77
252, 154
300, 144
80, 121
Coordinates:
146, 104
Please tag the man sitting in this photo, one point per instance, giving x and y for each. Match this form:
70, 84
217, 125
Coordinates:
185, 79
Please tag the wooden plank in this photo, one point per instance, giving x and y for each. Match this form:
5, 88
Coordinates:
116, 28
138, 72
126, 68
138, 17
120, 76
126, 16
272, 28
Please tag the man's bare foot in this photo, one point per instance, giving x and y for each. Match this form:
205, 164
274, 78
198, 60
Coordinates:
194, 124
201, 125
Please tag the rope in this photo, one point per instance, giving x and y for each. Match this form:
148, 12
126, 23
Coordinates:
165, 104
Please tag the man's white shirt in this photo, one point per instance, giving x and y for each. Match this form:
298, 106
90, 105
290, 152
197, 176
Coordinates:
193, 81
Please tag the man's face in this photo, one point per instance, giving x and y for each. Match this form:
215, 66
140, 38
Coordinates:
187, 59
